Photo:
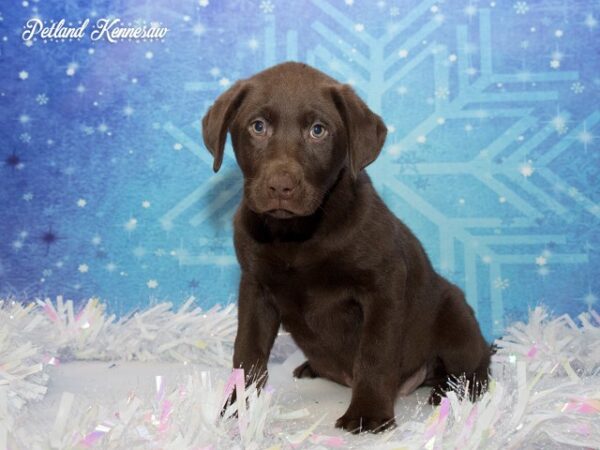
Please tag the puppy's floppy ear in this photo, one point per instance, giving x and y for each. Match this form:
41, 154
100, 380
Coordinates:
365, 130
217, 119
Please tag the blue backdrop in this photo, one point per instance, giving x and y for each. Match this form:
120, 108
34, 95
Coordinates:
492, 155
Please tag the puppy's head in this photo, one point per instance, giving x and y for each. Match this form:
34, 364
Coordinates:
293, 129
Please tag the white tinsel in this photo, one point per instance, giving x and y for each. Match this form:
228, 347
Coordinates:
174, 418
23, 374
157, 334
544, 392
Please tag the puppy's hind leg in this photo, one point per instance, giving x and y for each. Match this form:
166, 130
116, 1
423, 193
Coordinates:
461, 347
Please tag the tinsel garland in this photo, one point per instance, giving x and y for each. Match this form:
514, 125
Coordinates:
544, 391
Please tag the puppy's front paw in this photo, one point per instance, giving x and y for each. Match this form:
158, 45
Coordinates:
357, 423
305, 370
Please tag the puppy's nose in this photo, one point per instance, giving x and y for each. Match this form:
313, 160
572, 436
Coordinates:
282, 185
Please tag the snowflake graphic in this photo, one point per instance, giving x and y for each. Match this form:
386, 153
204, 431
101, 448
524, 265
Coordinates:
42, 99
501, 283
267, 6
521, 7
577, 87
25, 137
559, 122
590, 21
503, 115
442, 93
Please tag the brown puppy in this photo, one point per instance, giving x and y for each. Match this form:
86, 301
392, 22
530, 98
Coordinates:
322, 255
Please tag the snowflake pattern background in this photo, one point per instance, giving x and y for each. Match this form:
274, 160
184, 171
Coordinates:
492, 155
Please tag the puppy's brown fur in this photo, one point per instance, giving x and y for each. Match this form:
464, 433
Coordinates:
322, 255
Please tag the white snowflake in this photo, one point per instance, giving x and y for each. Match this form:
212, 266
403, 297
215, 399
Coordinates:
131, 224
359, 27
590, 299
577, 87
81, 203
28, 196
111, 267
501, 283
590, 21
557, 55
25, 137
224, 82
83, 268
146, 204
526, 169
521, 7
442, 93
72, 68
152, 284
42, 99
267, 6
541, 261
128, 110
559, 122
573, 192
470, 10
585, 137
198, 29
96, 240
203, 3
23, 75
253, 43
555, 63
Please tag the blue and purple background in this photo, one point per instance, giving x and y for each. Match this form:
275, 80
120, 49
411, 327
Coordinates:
492, 157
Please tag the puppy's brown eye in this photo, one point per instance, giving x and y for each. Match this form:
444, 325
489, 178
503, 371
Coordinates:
258, 127
318, 131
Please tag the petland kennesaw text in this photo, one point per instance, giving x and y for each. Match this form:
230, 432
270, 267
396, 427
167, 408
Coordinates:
105, 29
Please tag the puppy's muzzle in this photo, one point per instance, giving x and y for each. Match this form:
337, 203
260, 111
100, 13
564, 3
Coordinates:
282, 185
283, 191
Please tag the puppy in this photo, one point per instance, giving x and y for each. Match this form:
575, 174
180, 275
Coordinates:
322, 255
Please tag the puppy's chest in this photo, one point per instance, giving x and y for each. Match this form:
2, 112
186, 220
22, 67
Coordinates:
298, 276
313, 299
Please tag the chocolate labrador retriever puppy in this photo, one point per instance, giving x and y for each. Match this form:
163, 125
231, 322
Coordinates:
322, 255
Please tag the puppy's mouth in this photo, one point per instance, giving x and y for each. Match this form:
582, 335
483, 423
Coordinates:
281, 213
